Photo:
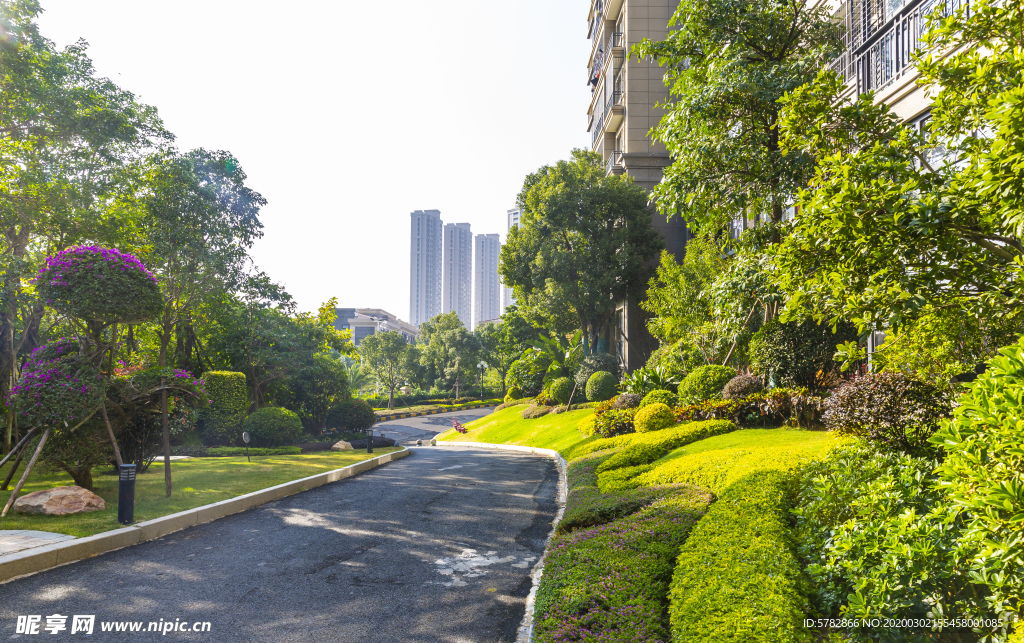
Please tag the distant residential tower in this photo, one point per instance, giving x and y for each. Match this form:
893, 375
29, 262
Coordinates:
457, 286
425, 270
487, 297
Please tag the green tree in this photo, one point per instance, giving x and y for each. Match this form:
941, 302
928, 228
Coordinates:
503, 343
727, 63
449, 352
585, 242
385, 355
898, 221
317, 386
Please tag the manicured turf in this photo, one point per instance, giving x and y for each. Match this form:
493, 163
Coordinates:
197, 482
507, 426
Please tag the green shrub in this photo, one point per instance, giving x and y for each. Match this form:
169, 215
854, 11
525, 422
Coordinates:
223, 420
612, 579
535, 411
798, 354
601, 386
628, 401
891, 408
615, 422
876, 535
686, 433
519, 402
742, 386
654, 417
667, 398
704, 383
527, 372
983, 473
736, 579
593, 364
561, 389
354, 415
223, 452
586, 425
513, 394
273, 426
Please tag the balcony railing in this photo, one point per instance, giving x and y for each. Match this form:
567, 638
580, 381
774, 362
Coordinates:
595, 22
596, 132
614, 160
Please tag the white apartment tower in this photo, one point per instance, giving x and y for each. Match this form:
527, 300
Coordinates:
514, 216
457, 281
487, 297
425, 266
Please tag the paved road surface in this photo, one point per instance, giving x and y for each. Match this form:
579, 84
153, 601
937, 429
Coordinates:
409, 430
436, 547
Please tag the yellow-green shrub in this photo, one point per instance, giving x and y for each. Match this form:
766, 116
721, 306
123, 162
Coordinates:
586, 425
653, 417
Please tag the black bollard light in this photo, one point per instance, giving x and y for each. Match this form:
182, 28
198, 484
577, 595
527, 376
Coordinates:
369, 440
126, 494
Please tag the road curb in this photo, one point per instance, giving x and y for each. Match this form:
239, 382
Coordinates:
525, 633
38, 559
402, 416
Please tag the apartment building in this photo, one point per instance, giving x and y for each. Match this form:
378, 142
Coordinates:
487, 290
457, 278
513, 217
621, 113
364, 322
425, 270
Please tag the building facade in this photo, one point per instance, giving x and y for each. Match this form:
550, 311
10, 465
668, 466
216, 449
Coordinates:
457, 279
486, 288
620, 115
364, 322
425, 271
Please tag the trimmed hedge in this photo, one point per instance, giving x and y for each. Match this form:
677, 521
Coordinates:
221, 452
273, 427
611, 580
222, 421
658, 397
657, 445
736, 578
684, 433
704, 383
653, 417
601, 386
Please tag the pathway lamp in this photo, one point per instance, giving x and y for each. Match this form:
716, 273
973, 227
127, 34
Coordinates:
482, 366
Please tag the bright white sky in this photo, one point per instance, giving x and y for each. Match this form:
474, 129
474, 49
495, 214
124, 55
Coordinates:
349, 115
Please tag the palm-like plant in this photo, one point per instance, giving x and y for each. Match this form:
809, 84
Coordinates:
644, 380
358, 377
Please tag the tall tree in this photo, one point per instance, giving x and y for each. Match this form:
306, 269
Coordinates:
200, 219
385, 355
585, 241
66, 138
727, 64
449, 352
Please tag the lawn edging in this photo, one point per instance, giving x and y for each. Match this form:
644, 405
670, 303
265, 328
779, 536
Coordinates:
525, 633
37, 559
402, 416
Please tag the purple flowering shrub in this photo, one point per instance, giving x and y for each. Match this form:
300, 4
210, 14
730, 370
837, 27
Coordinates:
100, 285
608, 583
56, 386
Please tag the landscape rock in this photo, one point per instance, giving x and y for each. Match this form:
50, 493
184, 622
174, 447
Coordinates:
341, 445
59, 501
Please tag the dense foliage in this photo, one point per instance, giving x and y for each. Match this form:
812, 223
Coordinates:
614, 422
229, 405
561, 388
704, 383
742, 386
601, 386
798, 353
272, 427
592, 364
352, 414
527, 373
660, 396
653, 417
57, 386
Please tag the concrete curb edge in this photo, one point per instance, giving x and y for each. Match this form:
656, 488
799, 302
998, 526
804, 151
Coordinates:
525, 633
38, 559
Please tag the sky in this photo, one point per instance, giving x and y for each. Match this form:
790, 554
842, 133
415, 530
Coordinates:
347, 116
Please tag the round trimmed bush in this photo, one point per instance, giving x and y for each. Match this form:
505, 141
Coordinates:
742, 386
594, 363
601, 386
513, 394
892, 408
628, 401
705, 383
561, 389
273, 427
653, 417
354, 414
659, 397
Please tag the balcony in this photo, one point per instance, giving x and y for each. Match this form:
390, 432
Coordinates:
614, 165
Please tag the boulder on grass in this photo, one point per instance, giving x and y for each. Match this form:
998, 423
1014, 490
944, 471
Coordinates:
59, 501
341, 445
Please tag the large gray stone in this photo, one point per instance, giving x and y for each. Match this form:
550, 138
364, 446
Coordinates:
59, 501
341, 445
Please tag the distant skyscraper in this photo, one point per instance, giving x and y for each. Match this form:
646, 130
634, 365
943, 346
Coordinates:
487, 295
425, 266
513, 220
457, 287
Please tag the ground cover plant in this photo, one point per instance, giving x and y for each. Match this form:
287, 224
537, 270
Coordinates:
553, 431
199, 482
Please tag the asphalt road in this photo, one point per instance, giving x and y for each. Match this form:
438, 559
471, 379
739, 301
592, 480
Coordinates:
436, 547
409, 430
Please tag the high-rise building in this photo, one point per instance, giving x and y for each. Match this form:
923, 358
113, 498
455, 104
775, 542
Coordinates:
622, 111
457, 286
487, 295
425, 266
514, 216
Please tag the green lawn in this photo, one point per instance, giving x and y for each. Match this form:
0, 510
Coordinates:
507, 426
197, 482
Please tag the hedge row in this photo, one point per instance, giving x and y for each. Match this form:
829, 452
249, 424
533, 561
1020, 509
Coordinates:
220, 452
651, 446
737, 578
608, 583
688, 429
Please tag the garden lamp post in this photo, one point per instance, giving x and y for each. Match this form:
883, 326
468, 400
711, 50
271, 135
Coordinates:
481, 365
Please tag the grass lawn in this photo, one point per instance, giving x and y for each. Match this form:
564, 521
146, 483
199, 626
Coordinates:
197, 482
507, 426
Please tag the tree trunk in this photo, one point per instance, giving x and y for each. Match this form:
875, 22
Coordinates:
167, 440
110, 432
82, 476
24, 476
